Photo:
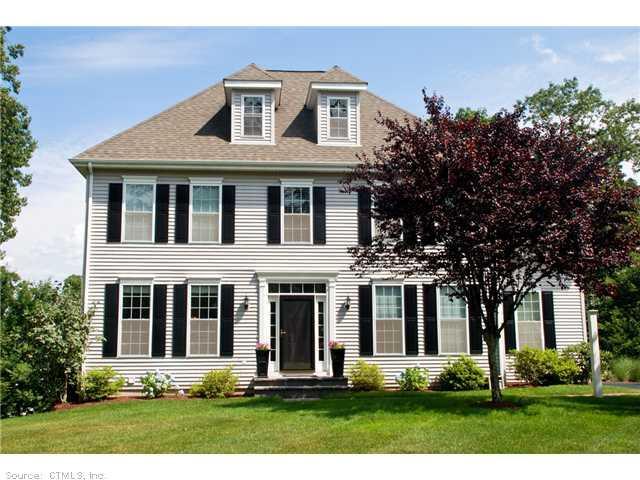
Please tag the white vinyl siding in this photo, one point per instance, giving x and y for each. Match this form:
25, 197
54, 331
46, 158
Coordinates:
236, 264
339, 130
205, 213
296, 214
529, 322
135, 320
204, 319
263, 123
138, 212
453, 329
388, 317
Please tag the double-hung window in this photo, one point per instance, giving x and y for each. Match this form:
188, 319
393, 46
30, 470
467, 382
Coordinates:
297, 214
453, 322
252, 115
204, 319
389, 323
338, 117
529, 322
135, 328
138, 211
205, 213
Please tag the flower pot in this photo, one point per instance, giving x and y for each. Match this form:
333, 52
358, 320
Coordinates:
337, 362
262, 360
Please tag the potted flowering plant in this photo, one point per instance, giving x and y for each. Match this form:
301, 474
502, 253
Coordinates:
262, 358
337, 358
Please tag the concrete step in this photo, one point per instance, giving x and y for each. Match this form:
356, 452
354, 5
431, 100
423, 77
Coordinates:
297, 387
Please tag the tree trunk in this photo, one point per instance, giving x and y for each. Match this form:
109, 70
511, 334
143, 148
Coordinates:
493, 344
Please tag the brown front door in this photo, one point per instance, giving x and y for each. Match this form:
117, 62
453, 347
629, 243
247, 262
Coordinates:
296, 333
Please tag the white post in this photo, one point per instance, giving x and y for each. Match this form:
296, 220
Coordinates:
596, 370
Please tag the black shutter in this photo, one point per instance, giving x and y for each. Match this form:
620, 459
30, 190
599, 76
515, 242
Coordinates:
509, 315
548, 319
162, 214
228, 213
159, 325
110, 313
319, 216
411, 319
179, 341
226, 317
273, 214
365, 307
364, 218
475, 322
182, 214
430, 299
409, 235
114, 213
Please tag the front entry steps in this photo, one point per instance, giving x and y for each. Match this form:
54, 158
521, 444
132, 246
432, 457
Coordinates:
310, 386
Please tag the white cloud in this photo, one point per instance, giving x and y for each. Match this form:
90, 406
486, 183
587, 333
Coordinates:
547, 53
120, 51
49, 243
621, 50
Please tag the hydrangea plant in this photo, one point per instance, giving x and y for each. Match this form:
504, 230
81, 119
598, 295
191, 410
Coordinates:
156, 384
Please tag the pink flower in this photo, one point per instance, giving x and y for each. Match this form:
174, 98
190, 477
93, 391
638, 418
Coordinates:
335, 345
263, 346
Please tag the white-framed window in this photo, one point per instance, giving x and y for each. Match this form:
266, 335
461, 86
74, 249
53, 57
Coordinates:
203, 329
136, 310
252, 115
388, 325
338, 117
296, 214
206, 220
453, 322
529, 332
138, 217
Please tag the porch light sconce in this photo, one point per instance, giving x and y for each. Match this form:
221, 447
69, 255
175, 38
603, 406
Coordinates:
246, 303
347, 303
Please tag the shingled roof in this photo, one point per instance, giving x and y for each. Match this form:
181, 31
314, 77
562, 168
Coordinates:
250, 72
198, 128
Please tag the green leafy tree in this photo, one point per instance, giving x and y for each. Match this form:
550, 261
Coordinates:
43, 337
614, 127
467, 113
16, 143
619, 312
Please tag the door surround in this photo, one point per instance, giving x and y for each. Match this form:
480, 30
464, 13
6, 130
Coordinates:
328, 298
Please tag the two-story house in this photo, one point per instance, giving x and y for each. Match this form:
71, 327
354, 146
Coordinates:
220, 222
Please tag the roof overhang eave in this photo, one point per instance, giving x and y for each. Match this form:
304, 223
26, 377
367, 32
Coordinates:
335, 87
230, 84
83, 164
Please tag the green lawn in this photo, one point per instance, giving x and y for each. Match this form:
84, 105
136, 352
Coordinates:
546, 420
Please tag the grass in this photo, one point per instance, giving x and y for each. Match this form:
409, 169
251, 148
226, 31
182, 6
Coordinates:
544, 420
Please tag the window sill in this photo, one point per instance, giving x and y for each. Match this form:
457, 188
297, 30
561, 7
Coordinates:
149, 357
139, 242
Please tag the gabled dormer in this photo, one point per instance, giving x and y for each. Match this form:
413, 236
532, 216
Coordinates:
335, 99
253, 97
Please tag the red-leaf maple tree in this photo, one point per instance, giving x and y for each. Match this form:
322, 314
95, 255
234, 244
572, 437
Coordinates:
493, 207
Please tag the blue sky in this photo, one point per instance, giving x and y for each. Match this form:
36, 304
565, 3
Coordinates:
82, 85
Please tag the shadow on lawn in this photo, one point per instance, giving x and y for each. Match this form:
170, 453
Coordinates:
355, 404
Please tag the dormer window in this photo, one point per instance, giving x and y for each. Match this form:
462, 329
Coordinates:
338, 117
252, 115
